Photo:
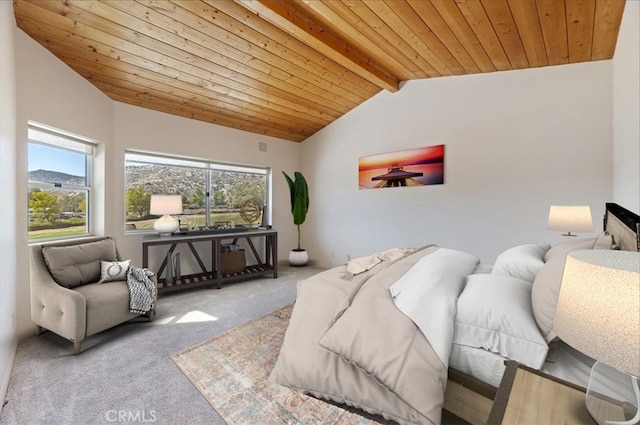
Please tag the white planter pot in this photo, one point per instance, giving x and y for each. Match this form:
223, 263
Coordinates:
298, 257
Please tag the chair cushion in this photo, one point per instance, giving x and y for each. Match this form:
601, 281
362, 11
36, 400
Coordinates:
107, 305
75, 265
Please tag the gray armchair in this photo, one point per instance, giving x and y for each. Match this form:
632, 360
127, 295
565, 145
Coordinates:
65, 296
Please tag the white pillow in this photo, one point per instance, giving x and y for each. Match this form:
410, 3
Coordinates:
113, 270
494, 313
522, 261
546, 286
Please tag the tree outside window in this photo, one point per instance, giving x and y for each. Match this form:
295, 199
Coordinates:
211, 192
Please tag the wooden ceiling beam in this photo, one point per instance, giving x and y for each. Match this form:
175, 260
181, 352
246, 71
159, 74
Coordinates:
237, 22
360, 32
285, 16
370, 23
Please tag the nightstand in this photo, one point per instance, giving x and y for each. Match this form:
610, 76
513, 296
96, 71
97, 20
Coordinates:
528, 396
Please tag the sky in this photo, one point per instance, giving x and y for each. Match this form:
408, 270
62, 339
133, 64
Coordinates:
426, 155
42, 157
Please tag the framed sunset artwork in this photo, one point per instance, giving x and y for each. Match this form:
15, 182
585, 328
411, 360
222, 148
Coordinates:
411, 167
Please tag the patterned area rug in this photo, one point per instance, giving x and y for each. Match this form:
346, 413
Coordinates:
231, 371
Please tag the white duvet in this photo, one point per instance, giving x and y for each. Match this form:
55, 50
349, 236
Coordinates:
428, 293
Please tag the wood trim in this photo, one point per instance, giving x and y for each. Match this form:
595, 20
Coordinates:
502, 396
474, 384
467, 398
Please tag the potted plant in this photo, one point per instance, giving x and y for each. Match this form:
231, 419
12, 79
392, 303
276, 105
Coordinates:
299, 192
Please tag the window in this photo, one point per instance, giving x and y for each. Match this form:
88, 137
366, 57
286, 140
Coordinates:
59, 168
211, 192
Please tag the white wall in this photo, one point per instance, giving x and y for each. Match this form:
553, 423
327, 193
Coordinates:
8, 230
516, 142
626, 110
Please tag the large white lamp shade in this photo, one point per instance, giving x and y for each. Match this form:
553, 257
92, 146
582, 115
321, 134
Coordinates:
598, 313
166, 205
570, 218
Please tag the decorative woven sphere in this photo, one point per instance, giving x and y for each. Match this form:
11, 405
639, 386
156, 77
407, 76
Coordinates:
251, 210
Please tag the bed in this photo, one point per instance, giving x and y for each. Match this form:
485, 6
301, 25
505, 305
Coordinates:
408, 333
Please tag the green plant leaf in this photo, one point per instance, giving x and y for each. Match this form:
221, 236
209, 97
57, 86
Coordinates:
299, 193
292, 190
301, 199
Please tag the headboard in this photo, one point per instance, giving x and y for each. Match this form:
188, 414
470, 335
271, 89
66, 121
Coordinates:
624, 226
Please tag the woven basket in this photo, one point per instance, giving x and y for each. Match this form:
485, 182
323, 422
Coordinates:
232, 262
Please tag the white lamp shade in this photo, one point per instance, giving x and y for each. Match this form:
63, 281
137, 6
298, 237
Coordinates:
598, 311
165, 204
570, 218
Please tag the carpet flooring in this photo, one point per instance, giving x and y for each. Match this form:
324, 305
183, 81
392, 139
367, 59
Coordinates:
231, 371
126, 374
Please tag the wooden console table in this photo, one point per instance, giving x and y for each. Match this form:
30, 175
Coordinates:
212, 275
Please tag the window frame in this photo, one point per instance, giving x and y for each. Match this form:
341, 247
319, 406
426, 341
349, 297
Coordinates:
207, 165
37, 135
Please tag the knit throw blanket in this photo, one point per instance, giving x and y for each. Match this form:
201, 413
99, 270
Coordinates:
142, 290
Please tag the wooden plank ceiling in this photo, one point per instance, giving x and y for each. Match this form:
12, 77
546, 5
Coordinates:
288, 68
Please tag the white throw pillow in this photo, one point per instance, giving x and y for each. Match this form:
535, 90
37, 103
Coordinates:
522, 261
113, 270
494, 313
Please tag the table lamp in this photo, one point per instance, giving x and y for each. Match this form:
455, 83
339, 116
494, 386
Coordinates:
598, 313
165, 205
570, 218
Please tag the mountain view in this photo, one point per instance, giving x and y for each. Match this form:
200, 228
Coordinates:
46, 176
187, 182
227, 188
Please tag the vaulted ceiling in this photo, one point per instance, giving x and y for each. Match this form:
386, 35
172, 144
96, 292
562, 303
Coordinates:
287, 68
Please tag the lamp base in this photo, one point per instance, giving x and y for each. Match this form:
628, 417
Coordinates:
612, 397
166, 225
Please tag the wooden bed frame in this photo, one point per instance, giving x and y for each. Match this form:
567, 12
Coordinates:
469, 400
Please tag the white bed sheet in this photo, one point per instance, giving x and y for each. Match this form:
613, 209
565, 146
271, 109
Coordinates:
563, 362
